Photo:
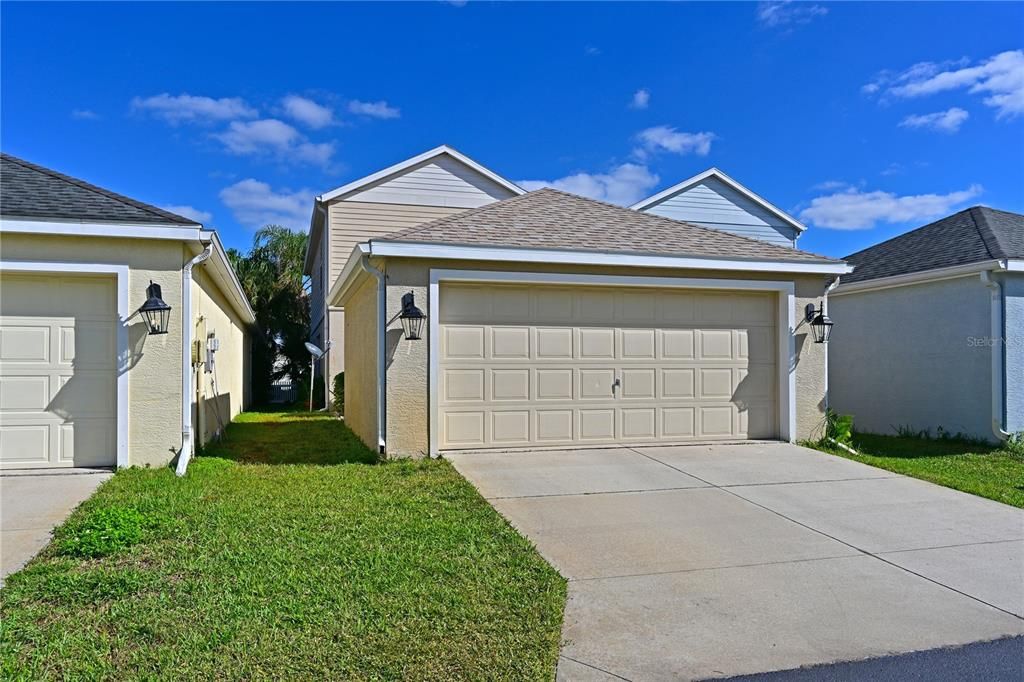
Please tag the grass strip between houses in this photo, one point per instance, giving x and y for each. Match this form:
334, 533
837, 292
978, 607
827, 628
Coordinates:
969, 466
343, 569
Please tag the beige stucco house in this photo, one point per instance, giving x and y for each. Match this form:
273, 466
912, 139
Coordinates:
434, 184
554, 320
83, 382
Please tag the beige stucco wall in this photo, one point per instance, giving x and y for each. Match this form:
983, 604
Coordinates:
154, 362
407, 361
223, 393
361, 376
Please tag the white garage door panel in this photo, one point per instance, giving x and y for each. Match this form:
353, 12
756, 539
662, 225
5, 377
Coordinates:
538, 365
58, 353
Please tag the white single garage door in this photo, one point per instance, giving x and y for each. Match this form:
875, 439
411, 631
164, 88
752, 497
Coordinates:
58, 372
549, 365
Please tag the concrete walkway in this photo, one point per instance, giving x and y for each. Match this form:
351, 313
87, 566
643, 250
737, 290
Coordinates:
711, 561
32, 504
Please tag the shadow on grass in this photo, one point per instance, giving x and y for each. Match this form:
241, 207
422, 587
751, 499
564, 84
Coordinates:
290, 437
904, 447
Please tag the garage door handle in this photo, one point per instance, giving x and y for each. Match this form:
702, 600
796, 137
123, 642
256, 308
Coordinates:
616, 384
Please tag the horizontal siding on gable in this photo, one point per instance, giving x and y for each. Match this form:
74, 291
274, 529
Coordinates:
441, 181
712, 203
354, 222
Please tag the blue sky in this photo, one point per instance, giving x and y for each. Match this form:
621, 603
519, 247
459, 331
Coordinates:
864, 120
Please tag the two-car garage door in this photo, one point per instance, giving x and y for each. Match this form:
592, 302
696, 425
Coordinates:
58, 355
549, 365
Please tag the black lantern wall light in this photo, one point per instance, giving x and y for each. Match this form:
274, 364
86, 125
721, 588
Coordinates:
821, 325
154, 311
412, 318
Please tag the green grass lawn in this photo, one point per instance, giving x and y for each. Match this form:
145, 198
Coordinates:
963, 465
256, 567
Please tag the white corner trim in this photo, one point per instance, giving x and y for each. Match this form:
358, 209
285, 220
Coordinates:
566, 257
409, 163
121, 274
84, 229
785, 326
714, 172
933, 275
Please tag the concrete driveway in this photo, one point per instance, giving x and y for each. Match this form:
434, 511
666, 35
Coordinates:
711, 561
32, 504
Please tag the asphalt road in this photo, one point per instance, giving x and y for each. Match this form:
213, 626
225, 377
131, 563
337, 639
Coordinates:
998, 661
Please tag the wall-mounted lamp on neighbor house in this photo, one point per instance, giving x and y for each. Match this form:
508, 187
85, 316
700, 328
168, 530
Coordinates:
156, 313
412, 318
821, 325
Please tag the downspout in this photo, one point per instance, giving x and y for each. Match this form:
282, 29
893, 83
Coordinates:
187, 444
364, 263
998, 349
824, 310
325, 313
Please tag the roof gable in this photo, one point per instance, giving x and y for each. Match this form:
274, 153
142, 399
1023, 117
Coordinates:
973, 235
439, 177
552, 219
744, 201
31, 191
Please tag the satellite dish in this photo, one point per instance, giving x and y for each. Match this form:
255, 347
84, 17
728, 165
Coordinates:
314, 350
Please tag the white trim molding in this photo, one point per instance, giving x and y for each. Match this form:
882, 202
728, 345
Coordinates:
94, 229
356, 185
716, 173
785, 325
933, 275
121, 275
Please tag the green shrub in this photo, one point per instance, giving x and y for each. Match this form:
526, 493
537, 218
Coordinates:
103, 532
1015, 444
838, 427
338, 393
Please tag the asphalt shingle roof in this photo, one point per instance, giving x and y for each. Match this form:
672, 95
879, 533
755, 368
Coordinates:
972, 235
31, 191
552, 219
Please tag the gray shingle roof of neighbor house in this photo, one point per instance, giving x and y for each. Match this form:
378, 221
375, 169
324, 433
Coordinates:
552, 219
31, 191
975, 234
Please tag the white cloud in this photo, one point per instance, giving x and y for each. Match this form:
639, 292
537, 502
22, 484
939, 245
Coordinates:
853, 209
830, 185
591, 51
274, 137
190, 108
190, 212
255, 204
625, 184
785, 13
948, 121
307, 112
379, 109
999, 78
84, 114
668, 139
641, 99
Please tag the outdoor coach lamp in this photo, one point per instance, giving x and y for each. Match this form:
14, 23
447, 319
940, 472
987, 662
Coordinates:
156, 313
820, 323
412, 318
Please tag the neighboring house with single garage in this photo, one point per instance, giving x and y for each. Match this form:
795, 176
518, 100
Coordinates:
713, 199
83, 380
554, 320
434, 184
929, 329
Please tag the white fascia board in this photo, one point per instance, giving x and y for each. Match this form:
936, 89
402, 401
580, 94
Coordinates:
1015, 265
714, 172
521, 255
934, 275
228, 280
409, 163
94, 229
347, 275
